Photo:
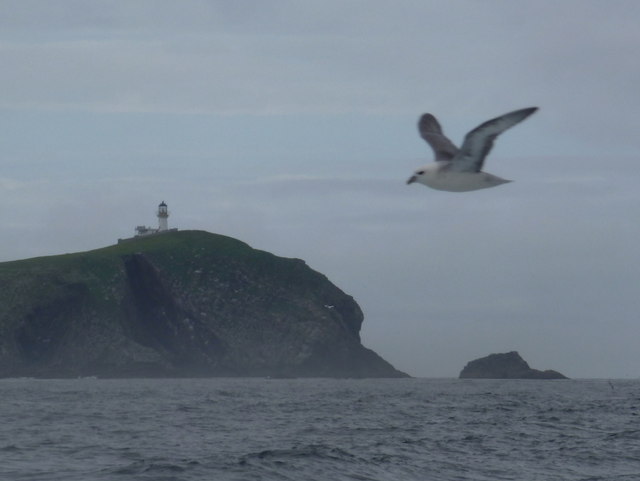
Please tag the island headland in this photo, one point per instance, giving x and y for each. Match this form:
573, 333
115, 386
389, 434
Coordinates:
183, 303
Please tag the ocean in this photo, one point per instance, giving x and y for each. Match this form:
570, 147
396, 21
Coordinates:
319, 429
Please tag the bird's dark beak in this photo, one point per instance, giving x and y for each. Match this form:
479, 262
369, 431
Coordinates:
412, 179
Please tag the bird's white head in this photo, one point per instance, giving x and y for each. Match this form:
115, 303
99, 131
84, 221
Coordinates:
422, 174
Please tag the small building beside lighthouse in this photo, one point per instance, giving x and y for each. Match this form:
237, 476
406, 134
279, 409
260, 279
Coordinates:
163, 224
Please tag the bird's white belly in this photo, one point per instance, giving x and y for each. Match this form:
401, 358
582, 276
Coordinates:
462, 181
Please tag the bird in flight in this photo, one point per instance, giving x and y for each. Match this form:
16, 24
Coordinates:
460, 170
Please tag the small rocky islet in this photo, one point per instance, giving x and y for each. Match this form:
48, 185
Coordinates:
509, 365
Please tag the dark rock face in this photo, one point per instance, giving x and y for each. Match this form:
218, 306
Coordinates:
185, 303
45, 325
505, 366
156, 319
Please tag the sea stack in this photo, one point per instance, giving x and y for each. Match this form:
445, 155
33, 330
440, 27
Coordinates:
507, 365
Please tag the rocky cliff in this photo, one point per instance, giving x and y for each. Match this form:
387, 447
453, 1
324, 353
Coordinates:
505, 366
184, 303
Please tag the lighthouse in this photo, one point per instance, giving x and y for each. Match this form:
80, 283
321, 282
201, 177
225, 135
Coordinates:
163, 227
163, 214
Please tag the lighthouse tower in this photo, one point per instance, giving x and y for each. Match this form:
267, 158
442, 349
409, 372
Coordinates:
163, 213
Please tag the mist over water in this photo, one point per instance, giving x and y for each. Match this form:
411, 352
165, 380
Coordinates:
319, 429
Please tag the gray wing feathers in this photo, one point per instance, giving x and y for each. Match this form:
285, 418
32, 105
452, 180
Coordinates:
478, 143
431, 131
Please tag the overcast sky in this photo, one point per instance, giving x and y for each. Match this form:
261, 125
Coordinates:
291, 125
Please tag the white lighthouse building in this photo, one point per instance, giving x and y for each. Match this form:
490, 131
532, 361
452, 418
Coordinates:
163, 225
163, 214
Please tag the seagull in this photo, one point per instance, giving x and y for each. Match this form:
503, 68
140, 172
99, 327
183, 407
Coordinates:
460, 170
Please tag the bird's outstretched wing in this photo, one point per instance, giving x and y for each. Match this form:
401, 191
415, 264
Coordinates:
431, 131
478, 143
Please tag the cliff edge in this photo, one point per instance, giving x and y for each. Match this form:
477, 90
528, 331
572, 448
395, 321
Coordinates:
186, 303
505, 366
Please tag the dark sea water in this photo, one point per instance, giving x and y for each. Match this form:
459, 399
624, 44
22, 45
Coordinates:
318, 429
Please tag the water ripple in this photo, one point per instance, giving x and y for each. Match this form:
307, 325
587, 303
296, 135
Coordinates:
259, 429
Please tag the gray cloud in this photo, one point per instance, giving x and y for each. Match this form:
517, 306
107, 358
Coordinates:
213, 57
